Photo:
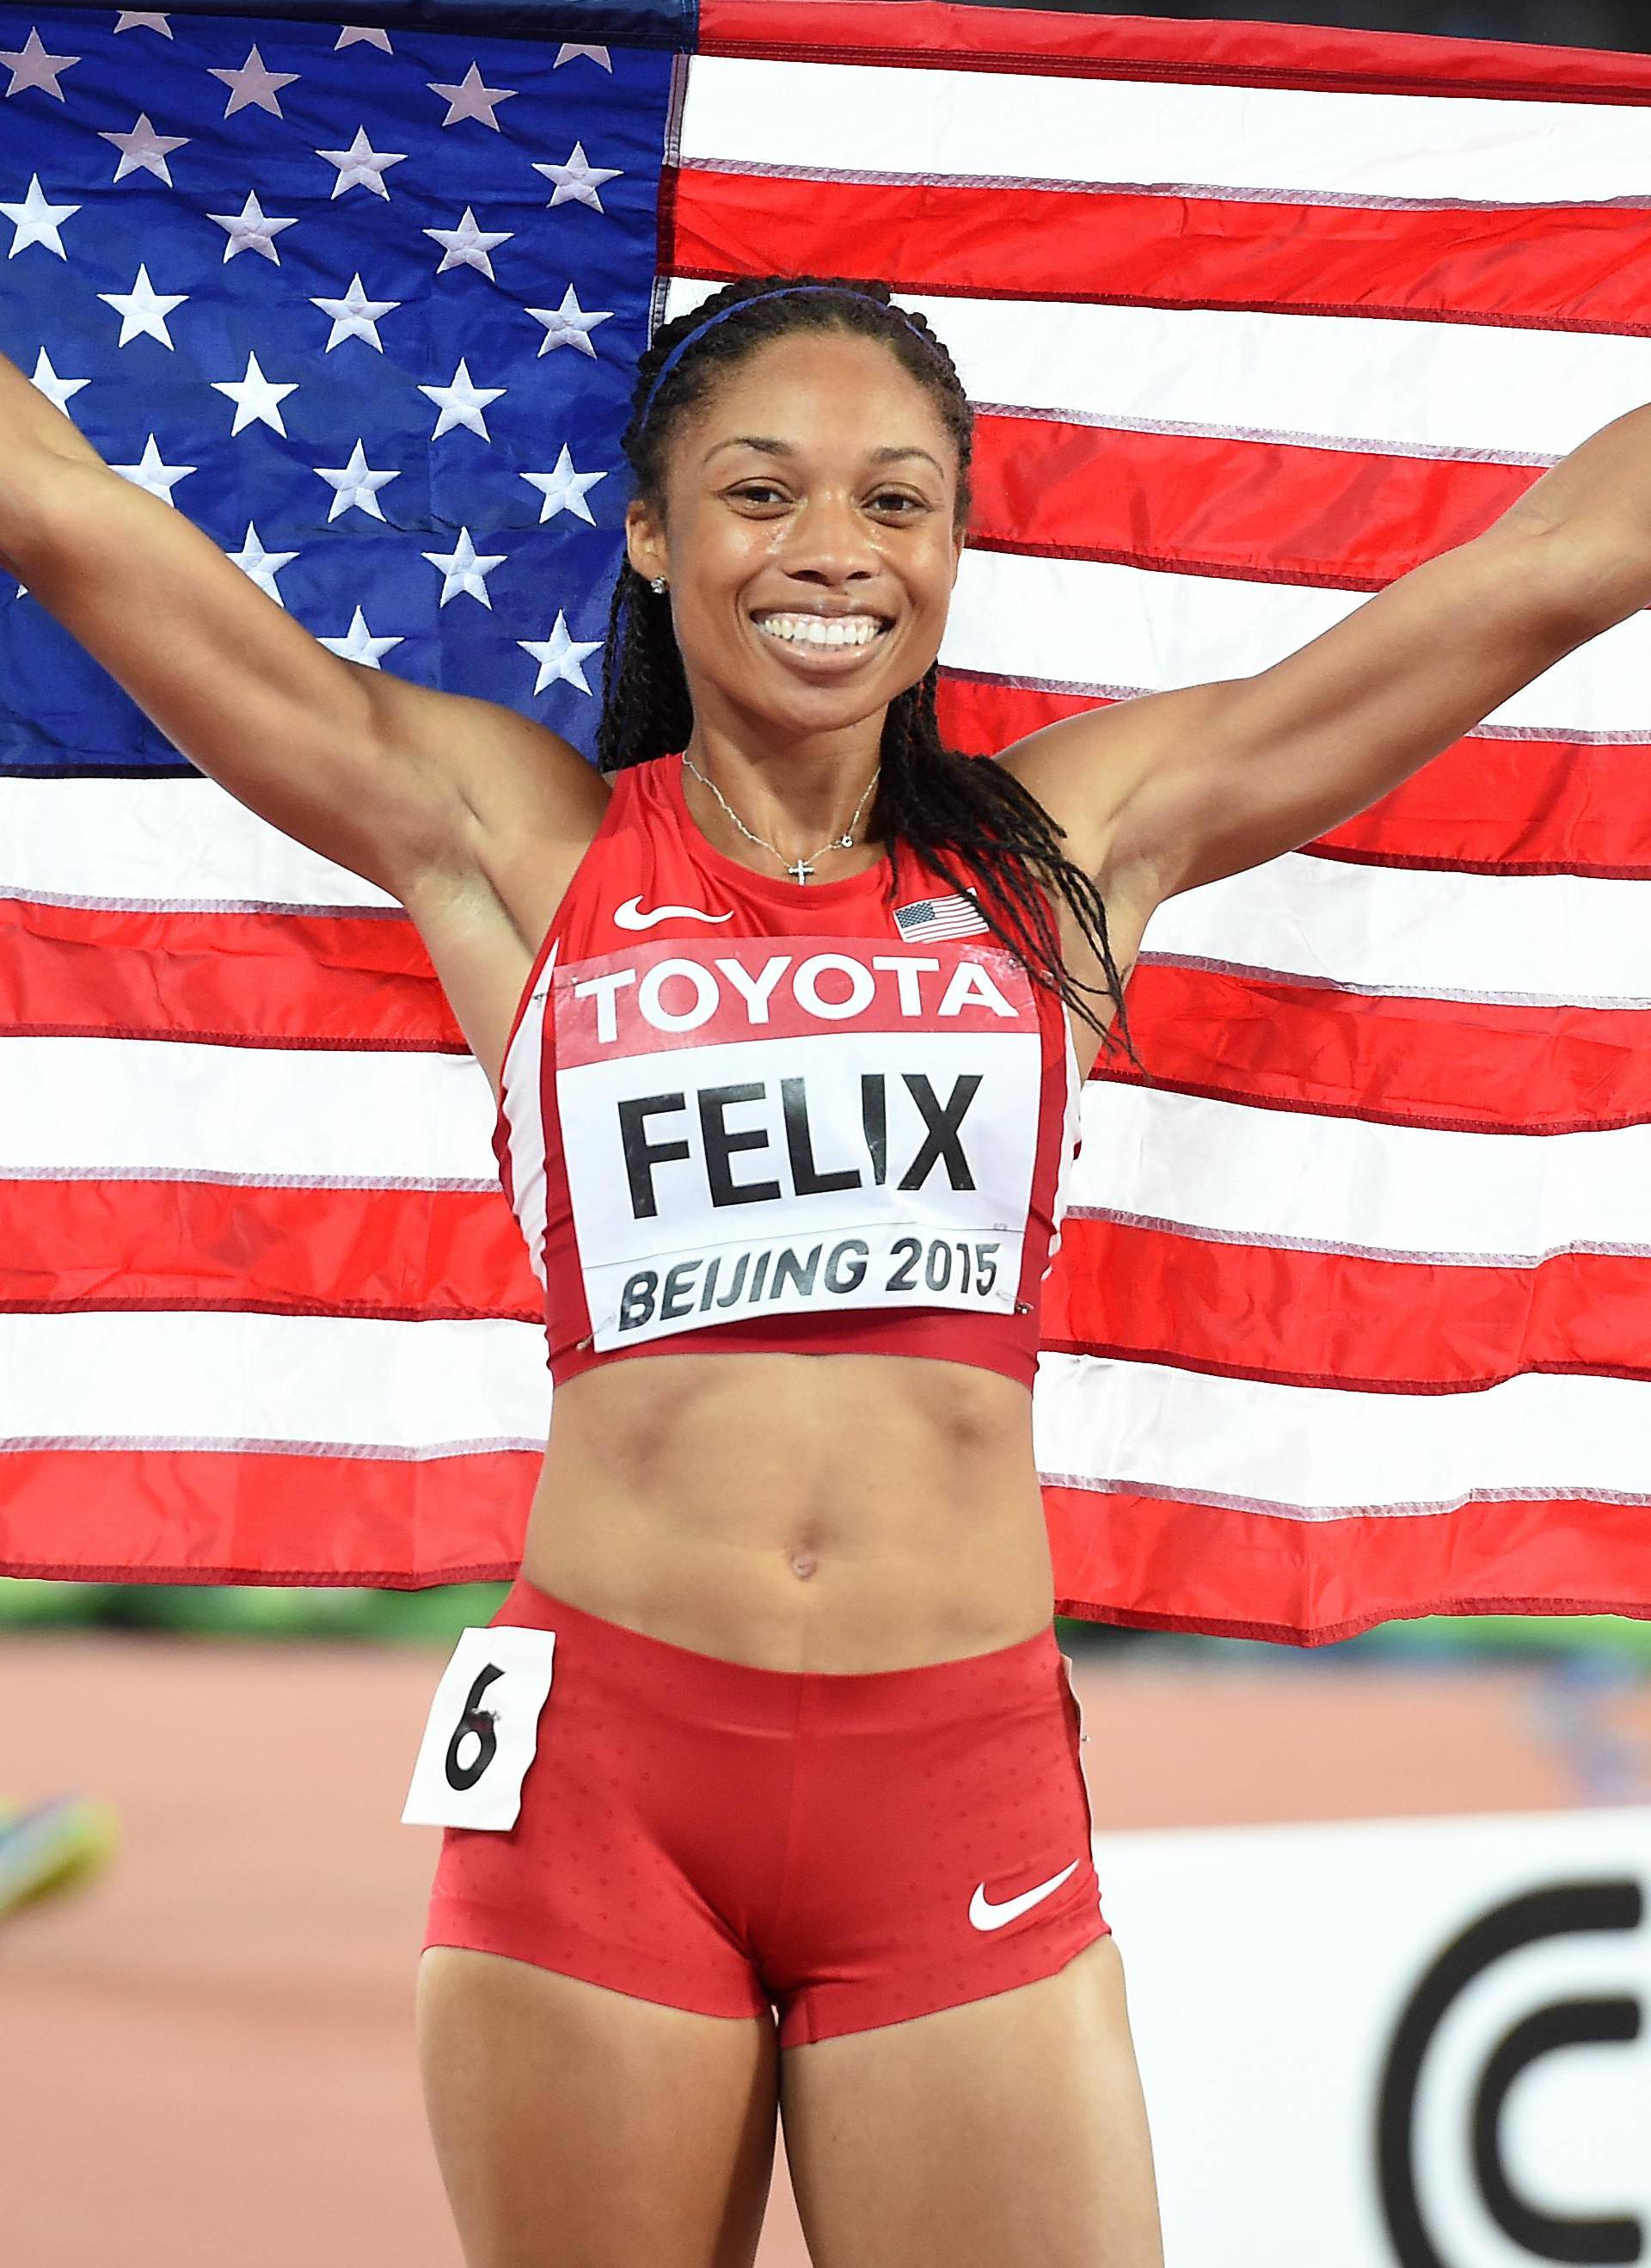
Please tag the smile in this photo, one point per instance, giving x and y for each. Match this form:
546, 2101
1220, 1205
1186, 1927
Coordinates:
818, 637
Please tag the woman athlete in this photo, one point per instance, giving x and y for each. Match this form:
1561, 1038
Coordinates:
773, 1722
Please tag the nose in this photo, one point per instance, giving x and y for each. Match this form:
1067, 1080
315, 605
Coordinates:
828, 541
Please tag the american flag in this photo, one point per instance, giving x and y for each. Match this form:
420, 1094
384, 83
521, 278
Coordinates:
950, 915
1352, 1317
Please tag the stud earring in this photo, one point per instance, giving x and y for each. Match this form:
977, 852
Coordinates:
658, 586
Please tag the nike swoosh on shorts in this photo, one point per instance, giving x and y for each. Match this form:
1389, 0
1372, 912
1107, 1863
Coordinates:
630, 915
984, 1915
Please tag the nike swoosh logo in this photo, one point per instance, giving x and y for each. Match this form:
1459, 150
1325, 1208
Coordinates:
984, 1915
630, 915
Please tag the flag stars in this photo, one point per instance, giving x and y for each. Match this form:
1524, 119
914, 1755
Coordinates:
142, 148
255, 84
468, 246
354, 487
568, 326
144, 309
152, 474
56, 390
578, 180
563, 490
354, 34
461, 403
252, 230
360, 166
36, 222
254, 398
356, 316
569, 52
471, 99
144, 20
464, 570
559, 657
360, 646
260, 566
31, 66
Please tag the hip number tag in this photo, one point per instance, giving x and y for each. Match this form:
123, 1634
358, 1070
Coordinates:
482, 1730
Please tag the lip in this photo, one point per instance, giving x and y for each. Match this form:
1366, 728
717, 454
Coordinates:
825, 660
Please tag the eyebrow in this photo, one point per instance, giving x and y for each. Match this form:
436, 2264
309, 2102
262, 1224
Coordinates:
774, 449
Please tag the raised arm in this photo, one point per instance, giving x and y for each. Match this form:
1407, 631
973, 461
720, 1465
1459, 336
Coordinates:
1176, 789
389, 780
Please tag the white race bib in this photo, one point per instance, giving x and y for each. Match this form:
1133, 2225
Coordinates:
482, 1730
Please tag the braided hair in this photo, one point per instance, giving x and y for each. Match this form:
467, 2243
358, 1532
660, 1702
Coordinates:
970, 821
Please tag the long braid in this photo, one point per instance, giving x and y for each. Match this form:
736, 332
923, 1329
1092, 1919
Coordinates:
969, 819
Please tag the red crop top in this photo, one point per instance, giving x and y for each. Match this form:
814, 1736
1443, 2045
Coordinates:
745, 1113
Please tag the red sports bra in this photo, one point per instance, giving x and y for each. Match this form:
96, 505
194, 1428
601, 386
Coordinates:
745, 1113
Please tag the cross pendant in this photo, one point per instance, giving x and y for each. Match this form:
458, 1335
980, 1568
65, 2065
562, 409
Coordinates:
801, 870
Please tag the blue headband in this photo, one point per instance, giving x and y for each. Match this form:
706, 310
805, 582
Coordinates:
721, 316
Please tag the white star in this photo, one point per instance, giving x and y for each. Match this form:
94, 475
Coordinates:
150, 473
559, 656
360, 646
255, 397
471, 99
463, 569
255, 82
563, 490
251, 229
461, 403
568, 53
143, 308
37, 222
262, 566
568, 326
578, 178
31, 66
353, 34
144, 20
355, 485
56, 390
143, 148
361, 164
356, 316
468, 246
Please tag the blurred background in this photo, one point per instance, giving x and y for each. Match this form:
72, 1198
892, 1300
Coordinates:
208, 2043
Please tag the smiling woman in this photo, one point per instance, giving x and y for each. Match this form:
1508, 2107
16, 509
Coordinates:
717, 487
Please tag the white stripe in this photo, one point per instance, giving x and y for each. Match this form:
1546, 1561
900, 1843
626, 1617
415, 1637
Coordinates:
108, 1108
1350, 381
1550, 938
106, 1380
1318, 1450
521, 1093
1083, 623
1025, 126
1401, 1192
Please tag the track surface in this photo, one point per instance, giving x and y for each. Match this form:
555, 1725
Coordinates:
208, 2053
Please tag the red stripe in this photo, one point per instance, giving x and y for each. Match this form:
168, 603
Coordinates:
1484, 806
1575, 268
1185, 1566
394, 1255
1323, 1318
293, 980
263, 1516
928, 34
1469, 1067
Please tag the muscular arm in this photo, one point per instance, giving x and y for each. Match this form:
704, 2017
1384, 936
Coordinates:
1186, 787
386, 778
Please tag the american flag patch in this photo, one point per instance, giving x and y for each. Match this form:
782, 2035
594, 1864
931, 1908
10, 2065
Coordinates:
950, 917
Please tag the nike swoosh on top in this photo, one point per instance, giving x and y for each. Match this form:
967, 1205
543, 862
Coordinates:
630, 915
984, 1915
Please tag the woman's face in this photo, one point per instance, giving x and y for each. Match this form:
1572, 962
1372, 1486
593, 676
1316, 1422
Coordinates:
816, 486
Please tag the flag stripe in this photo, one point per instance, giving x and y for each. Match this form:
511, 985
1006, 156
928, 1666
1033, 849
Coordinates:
1576, 268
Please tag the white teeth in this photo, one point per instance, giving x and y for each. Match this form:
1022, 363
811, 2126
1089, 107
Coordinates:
814, 630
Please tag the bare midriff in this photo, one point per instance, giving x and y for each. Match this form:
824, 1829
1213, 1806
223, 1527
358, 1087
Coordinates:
840, 1512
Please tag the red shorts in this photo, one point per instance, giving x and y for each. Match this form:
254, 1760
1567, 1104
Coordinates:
853, 1849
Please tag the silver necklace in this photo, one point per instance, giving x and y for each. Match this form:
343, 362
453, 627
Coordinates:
802, 867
